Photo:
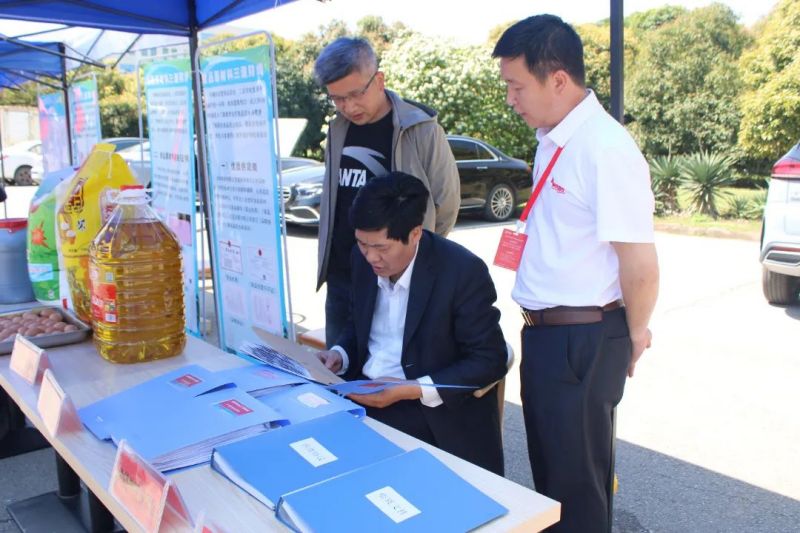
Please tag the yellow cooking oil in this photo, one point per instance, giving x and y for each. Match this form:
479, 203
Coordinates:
136, 284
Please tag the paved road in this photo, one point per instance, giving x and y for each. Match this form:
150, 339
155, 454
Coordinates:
708, 429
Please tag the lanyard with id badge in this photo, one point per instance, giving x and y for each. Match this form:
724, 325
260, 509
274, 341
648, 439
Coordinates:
512, 242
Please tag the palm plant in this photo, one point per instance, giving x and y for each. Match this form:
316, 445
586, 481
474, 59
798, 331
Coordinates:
705, 174
755, 210
666, 179
738, 207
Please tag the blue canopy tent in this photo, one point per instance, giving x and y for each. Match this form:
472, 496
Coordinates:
165, 17
160, 17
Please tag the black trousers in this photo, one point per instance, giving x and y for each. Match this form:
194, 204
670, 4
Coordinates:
571, 379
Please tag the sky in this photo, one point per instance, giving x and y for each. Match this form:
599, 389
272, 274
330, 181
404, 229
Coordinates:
465, 22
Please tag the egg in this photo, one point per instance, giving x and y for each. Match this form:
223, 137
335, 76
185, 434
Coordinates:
70, 327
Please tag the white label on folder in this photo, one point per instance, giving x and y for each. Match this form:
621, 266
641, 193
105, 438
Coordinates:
312, 400
392, 504
312, 451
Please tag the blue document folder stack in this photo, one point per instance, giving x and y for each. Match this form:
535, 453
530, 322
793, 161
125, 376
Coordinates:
411, 492
307, 402
277, 462
185, 382
171, 428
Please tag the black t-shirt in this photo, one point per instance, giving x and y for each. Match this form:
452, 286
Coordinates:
367, 154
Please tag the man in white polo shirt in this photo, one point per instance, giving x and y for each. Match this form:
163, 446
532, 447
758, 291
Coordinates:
589, 248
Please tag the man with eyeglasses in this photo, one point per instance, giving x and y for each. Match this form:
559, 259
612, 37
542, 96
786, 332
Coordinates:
374, 132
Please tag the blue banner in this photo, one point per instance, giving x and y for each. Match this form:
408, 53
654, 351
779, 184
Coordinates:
53, 131
170, 120
84, 108
244, 196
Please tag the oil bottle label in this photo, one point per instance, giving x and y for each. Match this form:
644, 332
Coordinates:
104, 302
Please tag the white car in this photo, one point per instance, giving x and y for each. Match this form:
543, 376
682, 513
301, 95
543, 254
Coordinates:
780, 234
22, 163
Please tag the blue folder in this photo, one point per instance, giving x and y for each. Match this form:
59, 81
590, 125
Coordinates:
411, 492
258, 379
306, 402
185, 432
280, 461
187, 381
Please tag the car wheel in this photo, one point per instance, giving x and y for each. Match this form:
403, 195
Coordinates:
500, 203
22, 176
778, 288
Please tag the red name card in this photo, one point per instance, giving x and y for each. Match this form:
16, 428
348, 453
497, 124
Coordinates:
55, 407
28, 360
509, 251
149, 497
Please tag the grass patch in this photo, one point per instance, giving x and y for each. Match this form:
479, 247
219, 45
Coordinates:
695, 224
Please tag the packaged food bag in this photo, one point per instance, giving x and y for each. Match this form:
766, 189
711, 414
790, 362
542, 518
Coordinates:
43, 264
82, 212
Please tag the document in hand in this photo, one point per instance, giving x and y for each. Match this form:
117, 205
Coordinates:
291, 357
408, 492
258, 380
185, 432
372, 386
149, 397
276, 462
309, 401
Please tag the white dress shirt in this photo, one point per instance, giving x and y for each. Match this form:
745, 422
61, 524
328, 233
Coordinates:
598, 192
385, 344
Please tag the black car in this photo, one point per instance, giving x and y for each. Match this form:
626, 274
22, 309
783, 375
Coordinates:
491, 182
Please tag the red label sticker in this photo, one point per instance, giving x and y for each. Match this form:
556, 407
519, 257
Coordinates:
104, 302
187, 380
236, 407
509, 251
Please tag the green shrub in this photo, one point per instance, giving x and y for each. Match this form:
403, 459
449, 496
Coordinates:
666, 179
705, 174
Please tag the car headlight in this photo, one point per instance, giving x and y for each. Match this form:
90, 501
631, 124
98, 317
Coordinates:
308, 189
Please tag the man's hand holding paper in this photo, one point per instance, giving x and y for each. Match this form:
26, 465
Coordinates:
389, 395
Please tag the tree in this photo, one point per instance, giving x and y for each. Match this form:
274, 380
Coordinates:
652, 19
596, 40
119, 109
770, 102
463, 85
683, 91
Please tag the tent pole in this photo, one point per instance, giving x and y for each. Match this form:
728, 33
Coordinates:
65, 88
617, 61
202, 174
3, 174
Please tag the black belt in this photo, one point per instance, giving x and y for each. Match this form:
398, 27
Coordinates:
566, 316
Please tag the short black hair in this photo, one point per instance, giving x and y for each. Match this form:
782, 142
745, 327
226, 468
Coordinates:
548, 44
396, 202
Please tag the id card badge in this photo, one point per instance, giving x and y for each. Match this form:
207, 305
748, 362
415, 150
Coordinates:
510, 248
512, 243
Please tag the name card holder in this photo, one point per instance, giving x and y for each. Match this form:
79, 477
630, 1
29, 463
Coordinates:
55, 407
28, 360
148, 496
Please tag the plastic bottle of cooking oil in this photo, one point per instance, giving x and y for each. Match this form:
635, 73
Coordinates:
136, 284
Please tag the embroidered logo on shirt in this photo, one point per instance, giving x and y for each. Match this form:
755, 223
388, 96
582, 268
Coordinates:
556, 187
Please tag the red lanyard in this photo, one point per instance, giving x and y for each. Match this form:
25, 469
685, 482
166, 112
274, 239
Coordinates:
539, 185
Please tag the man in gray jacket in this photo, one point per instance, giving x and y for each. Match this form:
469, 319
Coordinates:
374, 132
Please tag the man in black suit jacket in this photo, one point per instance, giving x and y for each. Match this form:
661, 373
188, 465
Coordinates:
421, 309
